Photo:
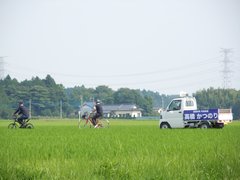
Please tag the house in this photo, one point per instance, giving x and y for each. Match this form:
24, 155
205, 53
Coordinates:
122, 111
114, 111
87, 107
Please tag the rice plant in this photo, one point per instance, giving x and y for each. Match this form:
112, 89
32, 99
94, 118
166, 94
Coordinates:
58, 149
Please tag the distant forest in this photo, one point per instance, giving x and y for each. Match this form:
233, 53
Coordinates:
47, 99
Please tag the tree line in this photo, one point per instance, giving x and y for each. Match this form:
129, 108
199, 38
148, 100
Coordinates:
45, 97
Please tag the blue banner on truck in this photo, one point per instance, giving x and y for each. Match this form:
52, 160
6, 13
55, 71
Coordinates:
207, 114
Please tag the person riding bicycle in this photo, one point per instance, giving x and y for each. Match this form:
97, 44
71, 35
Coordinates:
99, 112
23, 112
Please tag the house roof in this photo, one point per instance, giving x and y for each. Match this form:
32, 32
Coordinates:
88, 106
121, 107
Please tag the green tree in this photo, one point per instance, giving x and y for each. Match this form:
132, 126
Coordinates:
49, 81
105, 94
40, 97
5, 110
124, 95
129, 96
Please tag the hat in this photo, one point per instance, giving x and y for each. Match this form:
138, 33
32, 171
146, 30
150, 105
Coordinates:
20, 102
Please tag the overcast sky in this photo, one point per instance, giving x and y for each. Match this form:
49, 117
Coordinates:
161, 45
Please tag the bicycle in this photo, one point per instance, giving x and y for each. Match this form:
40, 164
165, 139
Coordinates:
15, 124
86, 118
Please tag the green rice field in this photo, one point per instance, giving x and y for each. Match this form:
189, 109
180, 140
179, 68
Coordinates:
58, 149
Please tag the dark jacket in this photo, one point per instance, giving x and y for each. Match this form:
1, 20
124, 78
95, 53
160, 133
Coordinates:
99, 109
22, 110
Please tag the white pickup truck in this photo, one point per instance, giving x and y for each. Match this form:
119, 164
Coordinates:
182, 112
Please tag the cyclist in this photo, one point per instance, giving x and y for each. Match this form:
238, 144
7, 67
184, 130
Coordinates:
23, 112
99, 112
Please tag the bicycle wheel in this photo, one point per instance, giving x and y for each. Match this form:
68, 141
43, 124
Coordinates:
84, 123
29, 126
12, 126
103, 123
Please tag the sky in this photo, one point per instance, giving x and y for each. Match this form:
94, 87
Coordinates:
165, 46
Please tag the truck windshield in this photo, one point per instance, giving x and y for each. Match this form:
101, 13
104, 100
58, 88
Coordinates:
175, 105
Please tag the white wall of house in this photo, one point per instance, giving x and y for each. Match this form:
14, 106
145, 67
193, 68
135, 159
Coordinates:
131, 113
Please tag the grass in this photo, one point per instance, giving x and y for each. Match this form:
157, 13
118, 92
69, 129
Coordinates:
127, 150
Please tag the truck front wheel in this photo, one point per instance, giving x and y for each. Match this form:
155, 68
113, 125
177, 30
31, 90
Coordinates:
164, 125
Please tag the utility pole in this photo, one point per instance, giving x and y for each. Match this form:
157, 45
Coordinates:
162, 102
60, 109
81, 100
30, 108
226, 68
79, 111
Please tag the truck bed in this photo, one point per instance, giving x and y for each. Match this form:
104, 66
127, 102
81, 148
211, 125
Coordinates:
220, 115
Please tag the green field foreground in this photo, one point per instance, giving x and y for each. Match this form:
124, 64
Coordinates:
58, 149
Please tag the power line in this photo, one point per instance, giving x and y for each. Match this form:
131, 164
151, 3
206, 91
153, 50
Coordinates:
137, 74
175, 77
191, 74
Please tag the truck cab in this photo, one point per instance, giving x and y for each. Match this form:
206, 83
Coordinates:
172, 117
